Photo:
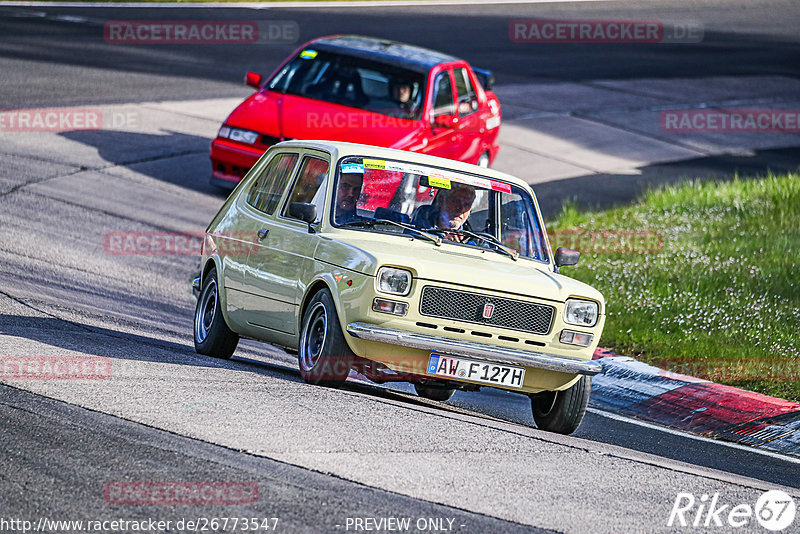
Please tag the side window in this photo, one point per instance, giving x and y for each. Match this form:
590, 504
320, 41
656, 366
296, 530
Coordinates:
267, 188
520, 228
467, 100
443, 99
310, 184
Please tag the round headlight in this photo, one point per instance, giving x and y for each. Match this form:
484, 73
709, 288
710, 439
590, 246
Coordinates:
394, 281
580, 312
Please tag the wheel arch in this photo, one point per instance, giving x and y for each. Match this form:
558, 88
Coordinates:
323, 281
215, 262
312, 289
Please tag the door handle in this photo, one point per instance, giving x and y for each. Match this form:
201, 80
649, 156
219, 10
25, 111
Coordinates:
263, 233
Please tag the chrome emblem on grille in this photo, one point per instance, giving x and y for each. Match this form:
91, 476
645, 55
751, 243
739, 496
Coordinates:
488, 310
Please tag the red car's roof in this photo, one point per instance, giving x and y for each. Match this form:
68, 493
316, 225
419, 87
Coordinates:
403, 55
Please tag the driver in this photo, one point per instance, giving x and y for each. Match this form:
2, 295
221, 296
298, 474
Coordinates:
449, 211
401, 93
347, 196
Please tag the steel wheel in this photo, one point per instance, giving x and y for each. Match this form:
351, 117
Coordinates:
313, 340
206, 312
212, 336
323, 354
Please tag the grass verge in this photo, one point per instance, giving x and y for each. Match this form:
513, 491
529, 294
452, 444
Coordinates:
721, 299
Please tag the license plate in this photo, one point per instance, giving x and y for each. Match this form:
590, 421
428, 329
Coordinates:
487, 373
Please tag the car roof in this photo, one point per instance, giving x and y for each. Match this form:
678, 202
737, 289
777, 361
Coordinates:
340, 149
403, 55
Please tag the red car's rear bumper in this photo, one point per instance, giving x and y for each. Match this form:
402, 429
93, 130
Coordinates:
230, 161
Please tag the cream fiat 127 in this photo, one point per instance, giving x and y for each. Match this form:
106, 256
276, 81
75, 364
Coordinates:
400, 267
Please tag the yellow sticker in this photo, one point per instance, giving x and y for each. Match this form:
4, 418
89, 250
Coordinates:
374, 164
436, 181
308, 54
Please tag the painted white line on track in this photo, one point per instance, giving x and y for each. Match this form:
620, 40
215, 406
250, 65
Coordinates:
268, 5
624, 419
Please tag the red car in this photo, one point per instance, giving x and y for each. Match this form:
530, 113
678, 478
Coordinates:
363, 90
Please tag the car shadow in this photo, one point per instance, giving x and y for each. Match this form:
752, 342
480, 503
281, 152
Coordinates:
174, 157
91, 340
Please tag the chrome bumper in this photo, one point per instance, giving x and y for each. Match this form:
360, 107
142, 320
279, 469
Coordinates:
480, 351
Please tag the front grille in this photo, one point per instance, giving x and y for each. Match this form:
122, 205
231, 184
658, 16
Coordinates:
468, 307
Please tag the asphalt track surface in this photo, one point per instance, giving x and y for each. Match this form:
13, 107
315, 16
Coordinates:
318, 456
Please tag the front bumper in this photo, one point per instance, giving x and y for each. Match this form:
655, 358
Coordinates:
230, 161
480, 351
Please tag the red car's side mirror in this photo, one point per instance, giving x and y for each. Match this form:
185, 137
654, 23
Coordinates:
253, 79
445, 121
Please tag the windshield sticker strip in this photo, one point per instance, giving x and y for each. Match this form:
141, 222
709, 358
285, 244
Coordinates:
438, 181
355, 168
436, 176
308, 54
374, 164
500, 186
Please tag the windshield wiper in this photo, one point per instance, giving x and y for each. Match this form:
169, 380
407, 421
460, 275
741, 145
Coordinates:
513, 254
490, 239
372, 222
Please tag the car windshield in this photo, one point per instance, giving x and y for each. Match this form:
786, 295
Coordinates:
406, 198
354, 82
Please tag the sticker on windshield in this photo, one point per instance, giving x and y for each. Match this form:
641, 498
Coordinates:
500, 186
438, 178
438, 181
374, 164
308, 54
355, 168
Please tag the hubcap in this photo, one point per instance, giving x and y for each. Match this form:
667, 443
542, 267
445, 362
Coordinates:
206, 311
314, 333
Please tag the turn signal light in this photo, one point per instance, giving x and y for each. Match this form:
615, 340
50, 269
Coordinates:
389, 306
571, 337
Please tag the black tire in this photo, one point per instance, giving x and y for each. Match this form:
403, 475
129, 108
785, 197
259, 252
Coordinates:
212, 336
562, 411
323, 354
435, 393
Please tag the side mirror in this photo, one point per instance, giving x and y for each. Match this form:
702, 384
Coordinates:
253, 79
566, 256
445, 121
305, 211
